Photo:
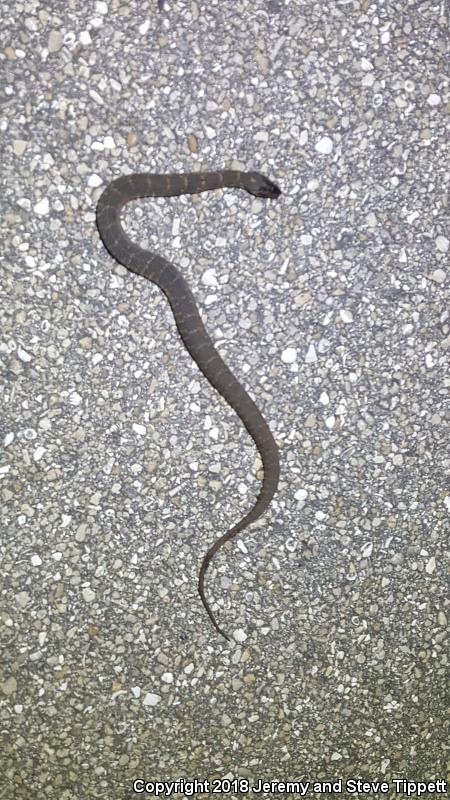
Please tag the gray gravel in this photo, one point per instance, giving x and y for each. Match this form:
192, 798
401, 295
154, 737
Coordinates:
121, 464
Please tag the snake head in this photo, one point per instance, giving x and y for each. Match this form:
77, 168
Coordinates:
260, 186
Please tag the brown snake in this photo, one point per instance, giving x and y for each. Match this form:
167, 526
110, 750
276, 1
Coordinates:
190, 326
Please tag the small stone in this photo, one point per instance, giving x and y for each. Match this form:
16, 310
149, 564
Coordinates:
324, 145
9, 686
140, 429
75, 399
42, 208
366, 64
430, 566
54, 41
96, 97
19, 146
69, 39
81, 532
289, 355
433, 99
23, 355
85, 38
192, 143
240, 635
88, 594
290, 545
22, 599
36, 561
209, 277
95, 181
311, 355
38, 453
167, 677
346, 315
438, 276
151, 699
303, 138
442, 243
302, 299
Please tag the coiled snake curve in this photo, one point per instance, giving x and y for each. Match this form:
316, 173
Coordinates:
190, 326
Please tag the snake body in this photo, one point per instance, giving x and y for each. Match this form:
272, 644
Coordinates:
190, 326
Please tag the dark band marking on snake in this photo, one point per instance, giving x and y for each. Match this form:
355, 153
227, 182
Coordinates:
190, 326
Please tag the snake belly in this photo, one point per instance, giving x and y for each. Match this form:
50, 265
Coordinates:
157, 269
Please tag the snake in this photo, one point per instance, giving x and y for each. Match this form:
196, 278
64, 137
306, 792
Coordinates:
166, 276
